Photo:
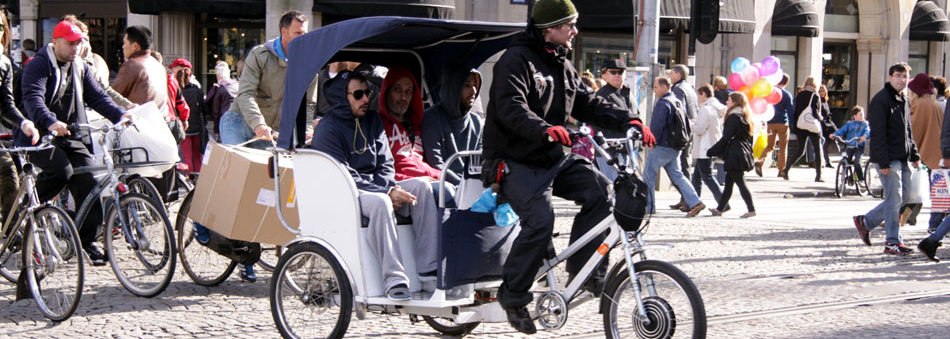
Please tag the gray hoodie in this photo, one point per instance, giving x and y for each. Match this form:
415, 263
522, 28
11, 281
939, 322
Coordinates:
446, 130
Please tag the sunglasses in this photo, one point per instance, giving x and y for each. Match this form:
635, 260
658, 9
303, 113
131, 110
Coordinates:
615, 72
360, 93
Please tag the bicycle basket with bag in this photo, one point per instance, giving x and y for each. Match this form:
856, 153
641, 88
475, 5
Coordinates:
630, 204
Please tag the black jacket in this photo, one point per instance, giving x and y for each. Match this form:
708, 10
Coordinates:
194, 97
10, 116
891, 137
801, 102
735, 145
535, 87
685, 93
618, 96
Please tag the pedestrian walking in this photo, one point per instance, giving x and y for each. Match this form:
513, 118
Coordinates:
892, 146
928, 246
220, 95
806, 101
735, 148
926, 122
706, 130
827, 127
721, 87
684, 92
778, 130
192, 147
940, 86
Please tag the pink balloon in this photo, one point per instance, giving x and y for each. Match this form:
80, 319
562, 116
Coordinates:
735, 81
758, 105
770, 65
750, 75
774, 97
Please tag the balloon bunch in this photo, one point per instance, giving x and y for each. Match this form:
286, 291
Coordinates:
758, 82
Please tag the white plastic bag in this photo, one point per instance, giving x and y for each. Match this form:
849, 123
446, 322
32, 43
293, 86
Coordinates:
919, 188
152, 135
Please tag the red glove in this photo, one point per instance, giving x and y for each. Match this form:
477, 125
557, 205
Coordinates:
558, 134
648, 139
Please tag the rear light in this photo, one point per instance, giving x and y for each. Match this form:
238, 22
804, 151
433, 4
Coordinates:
122, 188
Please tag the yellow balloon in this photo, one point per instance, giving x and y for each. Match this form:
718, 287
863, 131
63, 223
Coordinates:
761, 88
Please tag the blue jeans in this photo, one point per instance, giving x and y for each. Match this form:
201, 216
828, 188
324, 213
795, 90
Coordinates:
608, 170
702, 173
942, 229
896, 186
234, 131
668, 159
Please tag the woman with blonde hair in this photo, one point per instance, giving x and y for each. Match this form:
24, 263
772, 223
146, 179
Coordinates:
735, 148
807, 98
721, 89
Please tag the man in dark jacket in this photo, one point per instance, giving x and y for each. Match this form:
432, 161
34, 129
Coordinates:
685, 93
451, 125
354, 136
618, 93
892, 146
534, 92
56, 87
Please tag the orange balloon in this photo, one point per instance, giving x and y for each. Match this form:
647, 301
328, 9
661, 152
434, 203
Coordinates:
747, 91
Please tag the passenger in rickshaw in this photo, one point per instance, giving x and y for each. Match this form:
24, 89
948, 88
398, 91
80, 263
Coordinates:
535, 90
450, 125
353, 135
400, 107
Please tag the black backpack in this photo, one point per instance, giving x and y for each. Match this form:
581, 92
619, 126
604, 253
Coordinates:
677, 125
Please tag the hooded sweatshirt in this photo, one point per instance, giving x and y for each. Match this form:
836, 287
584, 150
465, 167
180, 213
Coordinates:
359, 144
405, 138
446, 129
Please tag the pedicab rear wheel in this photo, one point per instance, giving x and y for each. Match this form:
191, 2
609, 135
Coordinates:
202, 264
448, 326
310, 296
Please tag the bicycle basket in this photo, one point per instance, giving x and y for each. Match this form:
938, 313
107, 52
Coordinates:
630, 203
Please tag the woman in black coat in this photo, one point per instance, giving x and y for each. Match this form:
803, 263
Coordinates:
806, 98
735, 148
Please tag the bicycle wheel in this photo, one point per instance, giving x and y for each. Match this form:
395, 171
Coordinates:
138, 184
203, 265
841, 179
55, 270
860, 186
670, 300
144, 259
873, 180
449, 327
270, 254
310, 296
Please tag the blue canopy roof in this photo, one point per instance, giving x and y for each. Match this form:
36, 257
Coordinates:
375, 40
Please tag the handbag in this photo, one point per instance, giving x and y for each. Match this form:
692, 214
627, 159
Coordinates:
939, 194
807, 121
177, 129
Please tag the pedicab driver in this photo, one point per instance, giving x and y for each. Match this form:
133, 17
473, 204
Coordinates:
354, 136
534, 92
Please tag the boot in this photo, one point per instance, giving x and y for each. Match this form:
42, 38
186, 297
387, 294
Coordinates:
679, 205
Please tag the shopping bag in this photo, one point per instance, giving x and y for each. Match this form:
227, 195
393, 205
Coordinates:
939, 194
151, 134
919, 188
759, 145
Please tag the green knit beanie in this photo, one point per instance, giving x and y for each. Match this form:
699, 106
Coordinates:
550, 13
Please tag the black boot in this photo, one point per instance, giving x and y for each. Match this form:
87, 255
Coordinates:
929, 248
520, 320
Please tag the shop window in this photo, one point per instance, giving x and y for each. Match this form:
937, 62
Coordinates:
919, 57
667, 51
785, 48
838, 70
224, 39
597, 52
841, 16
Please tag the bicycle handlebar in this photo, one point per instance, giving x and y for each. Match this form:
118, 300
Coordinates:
44, 145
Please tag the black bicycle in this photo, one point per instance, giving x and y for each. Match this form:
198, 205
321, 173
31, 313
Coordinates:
847, 173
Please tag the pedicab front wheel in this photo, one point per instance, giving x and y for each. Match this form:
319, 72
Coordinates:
310, 296
671, 302
448, 327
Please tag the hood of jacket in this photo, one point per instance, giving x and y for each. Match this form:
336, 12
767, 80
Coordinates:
450, 89
270, 48
415, 105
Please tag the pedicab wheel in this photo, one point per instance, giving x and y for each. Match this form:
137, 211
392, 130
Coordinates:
146, 267
55, 276
202, 264
270, 254
449, 327
841, 179
310, 296
671, 302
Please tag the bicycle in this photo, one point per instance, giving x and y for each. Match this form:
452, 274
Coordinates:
325, 275
847, 172
50, 261
139, 240
872, 179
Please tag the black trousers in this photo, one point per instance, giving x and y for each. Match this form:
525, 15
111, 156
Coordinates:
57, 165
815, 140
737, 178
529, 190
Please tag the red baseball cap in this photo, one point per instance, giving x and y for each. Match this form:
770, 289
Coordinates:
68, 30
180, 62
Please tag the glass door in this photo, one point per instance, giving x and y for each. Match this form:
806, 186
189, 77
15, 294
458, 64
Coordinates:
838, 75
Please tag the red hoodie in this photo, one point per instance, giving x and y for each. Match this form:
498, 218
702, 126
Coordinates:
407, 156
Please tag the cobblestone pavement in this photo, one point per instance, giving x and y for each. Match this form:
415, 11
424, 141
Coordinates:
802, 250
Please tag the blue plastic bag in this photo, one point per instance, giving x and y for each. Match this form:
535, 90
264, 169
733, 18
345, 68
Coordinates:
487, 203
505, 216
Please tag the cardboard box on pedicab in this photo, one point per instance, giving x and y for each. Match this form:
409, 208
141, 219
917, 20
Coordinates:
235, 197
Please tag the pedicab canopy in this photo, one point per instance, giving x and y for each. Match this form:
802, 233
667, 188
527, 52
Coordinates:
422, 45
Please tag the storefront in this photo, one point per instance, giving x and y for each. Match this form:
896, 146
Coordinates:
928, 25
839, 57
106, 20
226, 39
792, 21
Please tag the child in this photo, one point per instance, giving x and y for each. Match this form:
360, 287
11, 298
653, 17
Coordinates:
856, 128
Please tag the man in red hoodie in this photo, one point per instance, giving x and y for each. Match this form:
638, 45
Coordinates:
400, 106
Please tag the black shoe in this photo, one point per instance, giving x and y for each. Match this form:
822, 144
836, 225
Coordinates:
929, 248
595, 286
95, 255
520, 320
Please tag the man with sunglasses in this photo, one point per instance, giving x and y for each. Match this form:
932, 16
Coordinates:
536, 89
353, 135
618, 93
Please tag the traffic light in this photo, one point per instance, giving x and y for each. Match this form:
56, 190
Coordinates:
704, 20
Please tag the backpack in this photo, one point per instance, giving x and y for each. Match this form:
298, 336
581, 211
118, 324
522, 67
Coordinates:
677, 125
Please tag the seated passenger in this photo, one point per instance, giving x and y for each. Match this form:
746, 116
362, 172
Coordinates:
400, 107
353, 135
451, 125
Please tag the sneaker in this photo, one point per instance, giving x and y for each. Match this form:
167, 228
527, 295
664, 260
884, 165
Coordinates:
929, 248
95, 255
859, 223
695, 210
398, 292
715, 212
520, 320
247, 273
202, 234
748, 215
897, 249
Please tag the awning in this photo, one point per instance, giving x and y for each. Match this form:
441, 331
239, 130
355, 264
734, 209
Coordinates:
795, 18
735, 16
605, 16
250, 9
83, 8
929, 23
435, 9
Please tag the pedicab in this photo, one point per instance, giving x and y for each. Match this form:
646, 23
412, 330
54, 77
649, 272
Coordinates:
327, 273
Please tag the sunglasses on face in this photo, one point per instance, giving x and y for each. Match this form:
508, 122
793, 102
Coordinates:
615, 72
358, 94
